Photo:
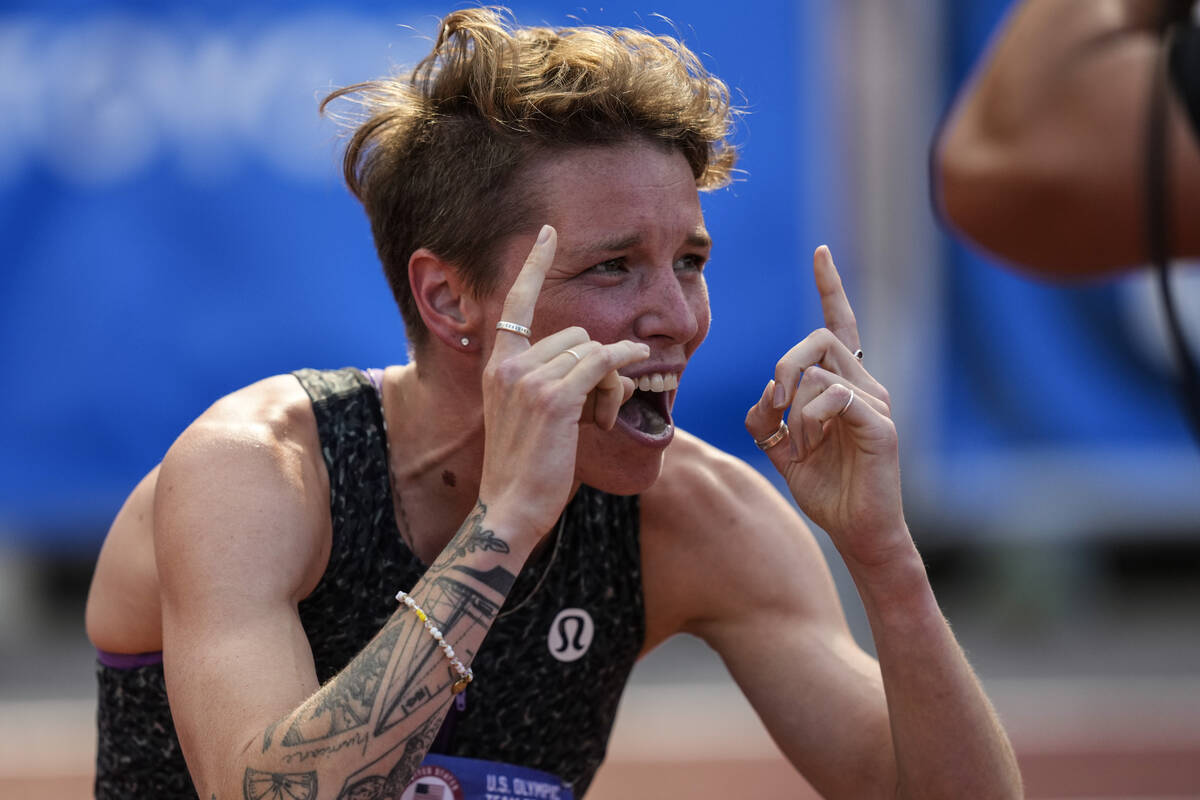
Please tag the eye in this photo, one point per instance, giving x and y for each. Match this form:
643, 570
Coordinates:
692, 262
612, 266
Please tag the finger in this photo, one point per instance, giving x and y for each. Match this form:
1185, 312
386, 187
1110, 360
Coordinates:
522, 297
821, 347
588, 414
762, 420
612, 399
595, 368
547, 351
837, 404
817, 379
839, 316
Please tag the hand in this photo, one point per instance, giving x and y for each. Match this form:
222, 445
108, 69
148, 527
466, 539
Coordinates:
840, 455
535, 397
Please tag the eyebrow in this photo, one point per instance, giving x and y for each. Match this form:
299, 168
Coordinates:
695, 238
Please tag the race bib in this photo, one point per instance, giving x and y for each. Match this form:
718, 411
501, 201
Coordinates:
450, 778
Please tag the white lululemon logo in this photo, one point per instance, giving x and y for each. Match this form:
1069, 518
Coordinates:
571, 634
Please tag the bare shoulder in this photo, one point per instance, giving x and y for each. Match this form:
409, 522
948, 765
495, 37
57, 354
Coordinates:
246, 483
718, 540
704, 490
253, 449
274, 412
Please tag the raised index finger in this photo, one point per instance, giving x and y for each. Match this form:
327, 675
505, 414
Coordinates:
839, 317
522, 297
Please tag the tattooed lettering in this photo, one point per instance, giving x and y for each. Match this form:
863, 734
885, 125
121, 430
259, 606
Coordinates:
259, 785
497, 578
358, 739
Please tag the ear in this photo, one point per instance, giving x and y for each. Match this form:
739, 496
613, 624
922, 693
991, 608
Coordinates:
449, 310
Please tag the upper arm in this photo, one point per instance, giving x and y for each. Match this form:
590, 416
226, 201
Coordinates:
728, 559
1042, 160
238, 521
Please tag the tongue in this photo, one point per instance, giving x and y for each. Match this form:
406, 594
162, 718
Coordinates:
644, 416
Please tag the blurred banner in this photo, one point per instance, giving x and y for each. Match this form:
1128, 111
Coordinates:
173, 226
173, 223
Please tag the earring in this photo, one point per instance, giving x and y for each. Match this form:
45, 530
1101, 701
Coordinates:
464, 341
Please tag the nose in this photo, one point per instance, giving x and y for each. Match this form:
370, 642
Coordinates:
671, 308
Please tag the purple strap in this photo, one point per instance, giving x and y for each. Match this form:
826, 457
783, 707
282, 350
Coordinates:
128, 660
375, 376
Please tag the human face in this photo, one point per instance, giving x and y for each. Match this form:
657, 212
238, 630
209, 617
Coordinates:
631, 249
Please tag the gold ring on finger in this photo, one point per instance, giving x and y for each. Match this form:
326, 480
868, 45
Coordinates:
775, 438
571, 352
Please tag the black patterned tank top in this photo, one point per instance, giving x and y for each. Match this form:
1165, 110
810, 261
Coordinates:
548, 676
552, 668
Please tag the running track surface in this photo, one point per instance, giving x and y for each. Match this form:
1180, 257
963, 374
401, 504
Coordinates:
1138, 740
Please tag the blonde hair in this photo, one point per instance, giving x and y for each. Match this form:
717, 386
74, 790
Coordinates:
436, 158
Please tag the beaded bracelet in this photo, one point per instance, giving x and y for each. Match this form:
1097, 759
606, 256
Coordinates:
465, 675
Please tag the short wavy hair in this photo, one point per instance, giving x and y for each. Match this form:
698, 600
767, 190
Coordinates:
436, 156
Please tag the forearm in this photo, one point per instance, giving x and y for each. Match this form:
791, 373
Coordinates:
948, 741
375, 720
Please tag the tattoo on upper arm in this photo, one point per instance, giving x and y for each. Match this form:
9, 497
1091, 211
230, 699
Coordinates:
260, 785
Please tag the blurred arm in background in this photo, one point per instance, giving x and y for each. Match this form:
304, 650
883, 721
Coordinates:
1042, 158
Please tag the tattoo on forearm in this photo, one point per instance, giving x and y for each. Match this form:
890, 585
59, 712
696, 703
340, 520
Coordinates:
259, 785
379, 786
421, 672
497, 578
346, 703
401, 677
471, 536
357, 739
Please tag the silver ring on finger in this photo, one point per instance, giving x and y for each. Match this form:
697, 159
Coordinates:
513, 327
775, 438
571, 352
858, 354
846, 407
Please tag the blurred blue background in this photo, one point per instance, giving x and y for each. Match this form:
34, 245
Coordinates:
173, 226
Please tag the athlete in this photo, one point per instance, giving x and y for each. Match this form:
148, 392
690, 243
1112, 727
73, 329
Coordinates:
332, 575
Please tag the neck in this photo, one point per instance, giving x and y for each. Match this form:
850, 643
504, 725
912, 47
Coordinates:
435, 450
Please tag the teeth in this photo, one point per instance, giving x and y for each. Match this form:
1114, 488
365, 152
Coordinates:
658, 382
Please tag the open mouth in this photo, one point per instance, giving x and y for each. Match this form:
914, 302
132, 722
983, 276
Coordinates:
648, 411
